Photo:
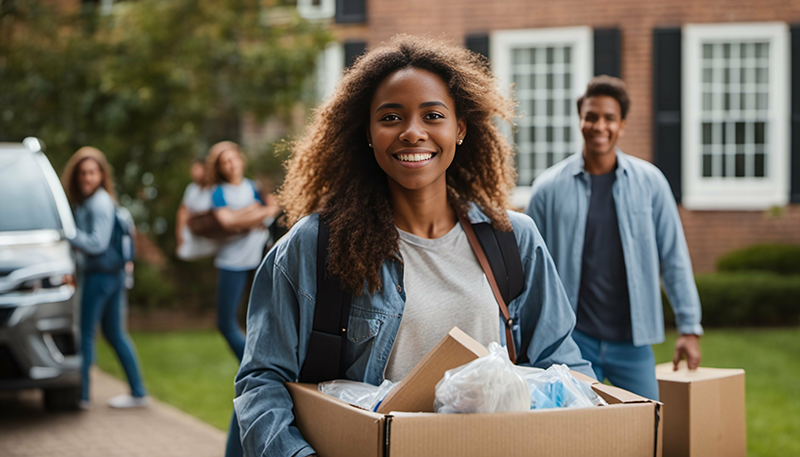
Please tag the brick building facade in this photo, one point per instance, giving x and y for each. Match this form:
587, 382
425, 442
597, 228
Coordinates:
745, 49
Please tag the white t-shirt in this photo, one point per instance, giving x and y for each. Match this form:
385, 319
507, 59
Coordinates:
445, 287
240, 252
196, 199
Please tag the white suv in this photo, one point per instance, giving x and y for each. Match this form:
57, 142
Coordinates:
39, 302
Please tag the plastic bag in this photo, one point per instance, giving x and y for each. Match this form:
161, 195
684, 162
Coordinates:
489, 384
365, 396
557, 388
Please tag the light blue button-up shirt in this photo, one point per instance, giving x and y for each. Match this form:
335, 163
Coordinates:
653, 243
280, 319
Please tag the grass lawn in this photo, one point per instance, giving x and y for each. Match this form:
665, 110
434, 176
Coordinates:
194, 371
190, 369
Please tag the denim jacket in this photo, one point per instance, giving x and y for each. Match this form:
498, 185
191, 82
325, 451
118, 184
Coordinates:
281, 312
653, 243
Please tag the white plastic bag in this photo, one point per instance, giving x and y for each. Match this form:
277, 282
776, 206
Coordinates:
557, 388
365, 396
489, 384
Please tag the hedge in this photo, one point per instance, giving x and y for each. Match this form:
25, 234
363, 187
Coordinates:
739, 299
775, 258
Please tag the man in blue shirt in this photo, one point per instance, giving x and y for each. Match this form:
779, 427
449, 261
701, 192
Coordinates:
613, 229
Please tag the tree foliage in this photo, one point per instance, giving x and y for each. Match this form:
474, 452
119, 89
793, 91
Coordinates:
152, 84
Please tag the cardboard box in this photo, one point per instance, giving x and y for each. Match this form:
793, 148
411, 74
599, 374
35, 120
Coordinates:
629, 426
704, 411
417, 390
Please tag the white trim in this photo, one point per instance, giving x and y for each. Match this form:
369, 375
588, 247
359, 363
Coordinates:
326, 9
729, 193
581, 41
330, 64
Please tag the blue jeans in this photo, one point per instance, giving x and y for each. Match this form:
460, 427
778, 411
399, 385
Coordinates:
626, 366
101, 302
230, 287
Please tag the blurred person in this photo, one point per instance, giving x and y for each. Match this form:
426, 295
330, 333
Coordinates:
612, 225
196, 200
238, 207
100, 236
402, 151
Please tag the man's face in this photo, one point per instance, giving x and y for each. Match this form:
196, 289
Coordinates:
601, 124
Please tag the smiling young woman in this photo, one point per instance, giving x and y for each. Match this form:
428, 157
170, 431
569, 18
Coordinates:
405, 148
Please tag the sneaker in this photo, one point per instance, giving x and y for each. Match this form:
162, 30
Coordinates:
84, 405
128, 401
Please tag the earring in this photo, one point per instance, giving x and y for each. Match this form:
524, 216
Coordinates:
460, 141
370, 144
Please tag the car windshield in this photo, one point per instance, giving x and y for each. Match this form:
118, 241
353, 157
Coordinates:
26, 201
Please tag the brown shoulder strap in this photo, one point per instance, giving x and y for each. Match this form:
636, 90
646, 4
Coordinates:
476, 247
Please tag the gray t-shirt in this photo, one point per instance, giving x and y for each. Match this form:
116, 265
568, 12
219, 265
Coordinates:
604, 309
445, 287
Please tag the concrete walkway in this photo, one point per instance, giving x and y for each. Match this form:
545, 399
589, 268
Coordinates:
26, 430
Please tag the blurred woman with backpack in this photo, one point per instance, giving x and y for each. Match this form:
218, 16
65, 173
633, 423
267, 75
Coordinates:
89, 185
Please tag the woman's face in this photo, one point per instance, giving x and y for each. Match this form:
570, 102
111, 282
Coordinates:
413, 128
90, 176
231, 165
198, 172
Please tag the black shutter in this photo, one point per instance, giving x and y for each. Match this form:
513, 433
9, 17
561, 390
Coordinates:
478, 43
351, 11
667, 105
794, 195
606, 52
353, 49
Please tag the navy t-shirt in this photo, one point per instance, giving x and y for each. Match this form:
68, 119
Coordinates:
604, 310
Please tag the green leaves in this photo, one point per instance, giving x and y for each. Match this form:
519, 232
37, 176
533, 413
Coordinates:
153, 83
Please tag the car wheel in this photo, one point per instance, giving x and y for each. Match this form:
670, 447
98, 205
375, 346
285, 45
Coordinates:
63, 399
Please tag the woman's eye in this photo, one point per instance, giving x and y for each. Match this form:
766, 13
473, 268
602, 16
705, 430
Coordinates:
390, 117
434, 116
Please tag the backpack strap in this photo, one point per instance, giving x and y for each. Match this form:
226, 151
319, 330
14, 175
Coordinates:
496, 271
331, 313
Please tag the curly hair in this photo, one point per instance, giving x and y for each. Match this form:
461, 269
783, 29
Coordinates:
69, 177
333, 171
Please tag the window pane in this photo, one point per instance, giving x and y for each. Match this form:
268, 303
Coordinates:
759, 168
708, 51
707, 133
707, 165
739, 165
740, 133
760, 133
550, 57
567, 55
762, 50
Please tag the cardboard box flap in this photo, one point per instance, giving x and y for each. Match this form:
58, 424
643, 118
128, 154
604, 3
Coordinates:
563, 432
416, 391
347, 431
664, 372
615, 395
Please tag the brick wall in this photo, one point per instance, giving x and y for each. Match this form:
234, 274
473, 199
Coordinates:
709, 233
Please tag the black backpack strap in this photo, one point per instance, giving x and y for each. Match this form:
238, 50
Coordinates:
503, 254
331, 314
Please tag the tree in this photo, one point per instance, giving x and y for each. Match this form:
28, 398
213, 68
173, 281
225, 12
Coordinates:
152, 84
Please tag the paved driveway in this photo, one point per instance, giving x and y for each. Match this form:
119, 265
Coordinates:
26, 430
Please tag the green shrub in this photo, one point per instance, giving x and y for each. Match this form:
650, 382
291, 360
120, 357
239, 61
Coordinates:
152, 288
746, 299
775, 258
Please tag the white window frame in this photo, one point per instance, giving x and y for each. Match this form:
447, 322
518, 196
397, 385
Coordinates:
582, 41
731, 193
330, 64
325, 10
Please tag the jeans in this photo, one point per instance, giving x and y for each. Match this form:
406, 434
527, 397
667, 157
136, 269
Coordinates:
626, 366
229, 291
101, 302
230, 287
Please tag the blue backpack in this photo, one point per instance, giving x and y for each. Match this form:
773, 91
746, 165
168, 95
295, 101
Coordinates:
120, 249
